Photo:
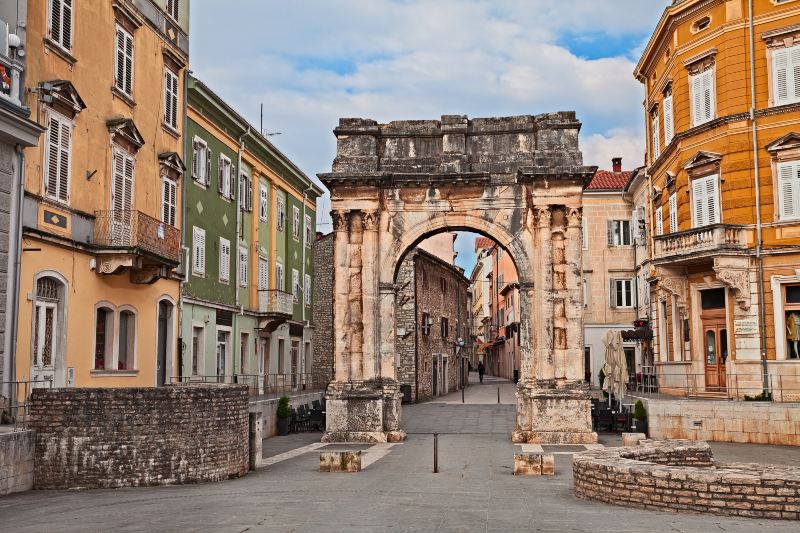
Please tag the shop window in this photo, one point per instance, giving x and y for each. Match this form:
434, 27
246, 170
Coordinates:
791, 306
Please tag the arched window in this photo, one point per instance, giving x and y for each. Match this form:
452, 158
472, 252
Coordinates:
127, 338
103, 338
49, 292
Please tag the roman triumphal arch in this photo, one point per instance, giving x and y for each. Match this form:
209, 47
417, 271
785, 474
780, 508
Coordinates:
519, 180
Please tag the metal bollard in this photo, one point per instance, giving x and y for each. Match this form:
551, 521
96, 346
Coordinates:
498, 394
435, 453
462, 394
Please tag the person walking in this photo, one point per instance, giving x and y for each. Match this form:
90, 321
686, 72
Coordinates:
481, 371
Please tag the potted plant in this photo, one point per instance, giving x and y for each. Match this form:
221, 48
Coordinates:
284, 415
640, 414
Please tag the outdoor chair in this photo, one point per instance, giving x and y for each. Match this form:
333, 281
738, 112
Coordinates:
316, 420
316, 405
621, 423
605, 421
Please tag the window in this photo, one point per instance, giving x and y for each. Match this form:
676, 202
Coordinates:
243, 267
786, 73
263, 208
198, 348
224, 179
619, 232
263, 273
281, 214
224, 260
307, 290
295, 285
673, 213
789, 190
201, 162
245, 192
123, 65
223, 338
295, 223
703, 98
701, 24
445, 327
170, 99
622, 293
443, 284
426, 323
669, 119
122, 186
308, 231
169, 193
791, 306
659, 220
585, 236
46, 324
244, 352
705, 199
60, 20
57, 158
172, 9
103, 337
279, 283
655, 134
127, 338
198, 251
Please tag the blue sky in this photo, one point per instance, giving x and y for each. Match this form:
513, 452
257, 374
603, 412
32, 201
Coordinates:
312, 61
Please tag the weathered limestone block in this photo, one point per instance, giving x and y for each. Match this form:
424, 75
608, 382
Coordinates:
632, 439
349, 461
554, 416
534, 464
256, 440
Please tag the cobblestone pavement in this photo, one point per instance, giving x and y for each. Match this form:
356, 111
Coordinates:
474, 491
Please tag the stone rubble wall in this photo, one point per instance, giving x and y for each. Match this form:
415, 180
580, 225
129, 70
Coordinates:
629, 477
16, 461
724, 421
107, 438
322, 363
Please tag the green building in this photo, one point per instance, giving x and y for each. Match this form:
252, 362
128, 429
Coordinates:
249, 225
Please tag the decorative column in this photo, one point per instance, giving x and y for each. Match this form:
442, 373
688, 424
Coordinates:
543, 355
369, 285
574, 300
354, 299
341, 315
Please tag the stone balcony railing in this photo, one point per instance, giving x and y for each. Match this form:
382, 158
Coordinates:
272, 302
136, 231
684, 244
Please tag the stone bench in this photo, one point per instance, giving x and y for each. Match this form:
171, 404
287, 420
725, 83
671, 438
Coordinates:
534, 464
348, 461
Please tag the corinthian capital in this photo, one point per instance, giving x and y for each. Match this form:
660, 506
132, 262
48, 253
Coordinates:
542, 215
340, 217
574, 216
370, 219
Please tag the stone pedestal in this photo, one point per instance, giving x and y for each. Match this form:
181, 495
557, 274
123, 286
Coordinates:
553, 416
366, 411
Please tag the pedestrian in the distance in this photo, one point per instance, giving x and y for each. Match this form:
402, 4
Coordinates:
481, 371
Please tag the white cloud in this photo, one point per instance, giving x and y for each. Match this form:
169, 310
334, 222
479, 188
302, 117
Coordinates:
598, 149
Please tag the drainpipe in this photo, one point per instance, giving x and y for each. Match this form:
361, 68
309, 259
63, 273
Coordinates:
757, 177
239, 205
185, 254
14, 260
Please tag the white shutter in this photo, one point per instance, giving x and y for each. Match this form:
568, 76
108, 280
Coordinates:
243, 267
712, 197
295, 285
221, 178
263, 274
673, 213
708, 94
705, 192
789, 190
699, 200
279, 283
195, 156
170, 98
124, 61
59, 151
780, 70
655, 134
224, 260
612, 289
307, 290
61, 23
794, 57
122, 186
703, 98
669, 120
199, 251
610, 232
172, 9
659, 221
263, 211
168, 201
207, 175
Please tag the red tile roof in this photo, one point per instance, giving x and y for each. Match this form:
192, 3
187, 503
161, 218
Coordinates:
483, 243
608, 180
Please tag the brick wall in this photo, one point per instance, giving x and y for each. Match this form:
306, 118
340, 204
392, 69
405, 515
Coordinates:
618, 476
16, 461
323, 309
105, 438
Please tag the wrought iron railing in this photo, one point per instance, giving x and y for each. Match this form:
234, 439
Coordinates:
263, 384
714, 237
122, 228
14, 407
275, 302
735, 386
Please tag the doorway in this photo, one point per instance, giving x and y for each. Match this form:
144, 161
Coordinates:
164, 317
222, 352
715, 338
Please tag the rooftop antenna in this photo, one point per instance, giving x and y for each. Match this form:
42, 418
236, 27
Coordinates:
261, 125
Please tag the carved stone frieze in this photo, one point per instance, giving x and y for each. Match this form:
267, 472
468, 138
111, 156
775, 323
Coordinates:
733, 273
677, 286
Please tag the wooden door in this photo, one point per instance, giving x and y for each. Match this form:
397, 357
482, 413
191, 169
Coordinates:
715, 348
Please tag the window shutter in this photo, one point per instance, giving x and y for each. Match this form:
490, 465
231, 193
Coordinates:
55, 20
117, 193
788, 182
656, 144
263, 274
673, 213
195, 163
697, 100
659, 221
709, 96
242, 192
232, 182
780, 65
610, 231
66, 24
169, 201
249, 195
53, 157
712, 197
208, 166
220, 174
224, 260
669, 128
124, 60
243, 267
612, 291
199, 263
699, 200
794, 56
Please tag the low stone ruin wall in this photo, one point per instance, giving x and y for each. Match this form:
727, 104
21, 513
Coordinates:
682, 476
16, 461
105, 438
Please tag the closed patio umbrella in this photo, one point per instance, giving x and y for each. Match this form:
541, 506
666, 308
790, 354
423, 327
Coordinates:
615, 367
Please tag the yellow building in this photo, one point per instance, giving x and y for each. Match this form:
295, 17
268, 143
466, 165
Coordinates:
723, 122
102, 239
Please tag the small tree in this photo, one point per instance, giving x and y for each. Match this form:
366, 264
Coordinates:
639, 412
283, 407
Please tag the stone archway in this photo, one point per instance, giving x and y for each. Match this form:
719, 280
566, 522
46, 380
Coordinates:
517, 179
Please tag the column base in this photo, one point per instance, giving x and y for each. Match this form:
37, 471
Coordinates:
363, 411
553, 413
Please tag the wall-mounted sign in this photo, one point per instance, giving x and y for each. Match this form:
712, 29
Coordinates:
745, 326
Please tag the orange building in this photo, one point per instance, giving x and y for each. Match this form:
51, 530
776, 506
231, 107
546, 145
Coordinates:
722, 106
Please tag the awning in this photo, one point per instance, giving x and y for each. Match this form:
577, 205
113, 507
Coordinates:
482, 347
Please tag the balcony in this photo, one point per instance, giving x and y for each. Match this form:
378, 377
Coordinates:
699, 243
131, 240
274, 308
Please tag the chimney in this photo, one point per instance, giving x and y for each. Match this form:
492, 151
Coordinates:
617, 164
